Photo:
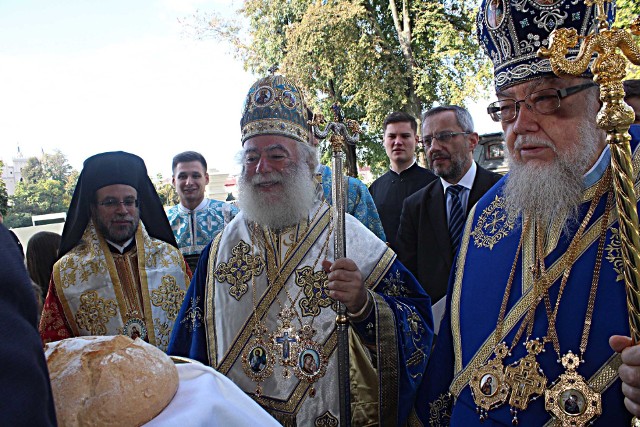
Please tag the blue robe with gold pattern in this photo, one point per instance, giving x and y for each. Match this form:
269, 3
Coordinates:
476, 289
359, 202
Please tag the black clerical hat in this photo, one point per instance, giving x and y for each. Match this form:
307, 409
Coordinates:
111, 168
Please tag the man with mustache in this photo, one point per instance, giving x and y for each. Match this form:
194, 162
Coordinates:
268, 284
537, 296
196, 220
119, 269
432, 218
404, 177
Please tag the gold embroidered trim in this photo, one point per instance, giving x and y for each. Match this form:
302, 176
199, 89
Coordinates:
553, 233
457, 289
94, 313
66, 308
141, 248
380, 270
528, 258
209, 306
387, 361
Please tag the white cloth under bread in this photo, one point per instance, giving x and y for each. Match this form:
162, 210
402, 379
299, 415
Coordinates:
205, 397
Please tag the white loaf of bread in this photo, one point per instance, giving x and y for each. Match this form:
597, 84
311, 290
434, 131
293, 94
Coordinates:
109, 380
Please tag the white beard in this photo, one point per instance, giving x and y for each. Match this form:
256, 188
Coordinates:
551, 191
286, 208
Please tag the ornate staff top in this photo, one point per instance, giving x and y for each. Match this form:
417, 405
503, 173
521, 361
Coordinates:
612, 47
609, 66
339, 131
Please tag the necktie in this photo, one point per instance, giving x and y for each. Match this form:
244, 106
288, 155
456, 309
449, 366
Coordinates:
456, 216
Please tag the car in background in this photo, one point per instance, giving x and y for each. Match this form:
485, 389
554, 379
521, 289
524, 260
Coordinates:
489, 153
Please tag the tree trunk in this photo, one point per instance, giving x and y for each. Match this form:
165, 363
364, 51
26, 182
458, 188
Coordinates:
351, 163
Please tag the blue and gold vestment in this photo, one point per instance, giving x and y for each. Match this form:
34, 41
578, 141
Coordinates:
476, 289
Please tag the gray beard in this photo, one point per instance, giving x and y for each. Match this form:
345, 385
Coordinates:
551, 192
285, 209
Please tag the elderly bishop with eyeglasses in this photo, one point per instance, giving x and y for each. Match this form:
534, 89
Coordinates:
261, 308
537, 290
119, 269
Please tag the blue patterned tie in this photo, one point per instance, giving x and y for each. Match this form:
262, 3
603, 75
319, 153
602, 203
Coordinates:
456, 216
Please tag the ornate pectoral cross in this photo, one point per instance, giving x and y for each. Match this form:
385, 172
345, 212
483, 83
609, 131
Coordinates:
526, 382
287, 340
526, 379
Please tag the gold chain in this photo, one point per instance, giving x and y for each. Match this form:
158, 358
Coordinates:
541, 286
507, 291
552, 331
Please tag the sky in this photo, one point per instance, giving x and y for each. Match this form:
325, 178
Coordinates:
87, 76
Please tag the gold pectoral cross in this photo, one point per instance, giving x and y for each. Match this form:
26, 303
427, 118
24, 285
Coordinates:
526, 378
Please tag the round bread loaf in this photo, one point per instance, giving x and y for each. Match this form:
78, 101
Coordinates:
109, 380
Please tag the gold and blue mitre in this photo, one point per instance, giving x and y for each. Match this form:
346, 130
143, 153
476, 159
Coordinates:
512, 31
275, 106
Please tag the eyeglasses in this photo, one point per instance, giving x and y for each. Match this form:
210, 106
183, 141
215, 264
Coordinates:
545, 101
115, 203
443, 137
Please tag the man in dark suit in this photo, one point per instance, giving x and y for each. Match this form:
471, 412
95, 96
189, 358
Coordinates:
432, 218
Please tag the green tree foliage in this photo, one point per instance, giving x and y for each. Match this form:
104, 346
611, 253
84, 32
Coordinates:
166, 192
628, 10
70, 184
370, 56
50, 166
46, 187
4, 196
